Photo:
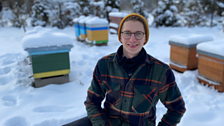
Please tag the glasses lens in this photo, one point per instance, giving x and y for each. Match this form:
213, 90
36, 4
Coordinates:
138, 35
126, 35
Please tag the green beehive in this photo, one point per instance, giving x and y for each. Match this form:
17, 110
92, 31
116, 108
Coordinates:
49, 55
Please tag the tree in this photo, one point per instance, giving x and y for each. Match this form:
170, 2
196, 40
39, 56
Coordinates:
19, 16
166, 14
40, 13
194, 14
111, 6
98, 8
85, 7
138, 7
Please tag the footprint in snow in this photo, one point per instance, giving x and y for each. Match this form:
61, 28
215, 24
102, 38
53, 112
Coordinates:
9, 100
5, 79
4, 70
43, 109
16, 121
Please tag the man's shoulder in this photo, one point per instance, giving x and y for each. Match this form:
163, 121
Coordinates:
157, 61
107, 58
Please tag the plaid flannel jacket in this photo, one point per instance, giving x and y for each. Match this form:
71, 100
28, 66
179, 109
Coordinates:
132, 101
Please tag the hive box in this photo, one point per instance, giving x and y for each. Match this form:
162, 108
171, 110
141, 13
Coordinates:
82, 27
211, 64
183, 51
97, 31
115, 19
77, 27
49, 55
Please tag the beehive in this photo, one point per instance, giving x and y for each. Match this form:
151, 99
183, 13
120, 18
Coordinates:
115, 19
49, 55
211, 64
97, 31
77, 27
183, 51
82, 26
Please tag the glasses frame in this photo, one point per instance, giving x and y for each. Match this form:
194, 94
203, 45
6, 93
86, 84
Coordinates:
131, 34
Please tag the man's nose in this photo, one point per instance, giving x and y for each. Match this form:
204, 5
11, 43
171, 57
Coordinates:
132, 38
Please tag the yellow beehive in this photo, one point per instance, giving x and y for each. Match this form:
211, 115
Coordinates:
97, 31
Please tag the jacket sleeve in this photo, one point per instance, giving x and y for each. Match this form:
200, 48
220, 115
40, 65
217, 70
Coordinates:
95, 95
171, 98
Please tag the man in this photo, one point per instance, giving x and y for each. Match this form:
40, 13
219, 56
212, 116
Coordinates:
132, 82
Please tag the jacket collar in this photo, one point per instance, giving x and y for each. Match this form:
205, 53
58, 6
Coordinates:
149, 59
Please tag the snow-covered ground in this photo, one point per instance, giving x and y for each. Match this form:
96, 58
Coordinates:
55, 105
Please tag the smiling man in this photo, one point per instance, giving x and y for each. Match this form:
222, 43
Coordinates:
131, 82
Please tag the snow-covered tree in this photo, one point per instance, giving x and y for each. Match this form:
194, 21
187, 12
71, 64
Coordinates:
85, 7
40, 13
7, 16
138, 7
62, 13
19, 16
73, 11
220, 6
98, 8
194, 14
166, 14
222, 19
111, 6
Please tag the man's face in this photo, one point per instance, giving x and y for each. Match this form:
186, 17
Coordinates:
132, 46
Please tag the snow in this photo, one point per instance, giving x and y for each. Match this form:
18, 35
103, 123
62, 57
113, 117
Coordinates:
220, 4
114, 25
41, 37
190, 39
113, 31
83, 20
79, 18
55, 105
118, 14
215, 47
97, 20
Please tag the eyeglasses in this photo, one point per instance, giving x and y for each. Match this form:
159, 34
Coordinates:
138, 35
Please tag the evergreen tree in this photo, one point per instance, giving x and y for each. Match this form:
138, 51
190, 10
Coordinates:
85, 7
111, 6
98, 8
194, 14
138, 7
220, 6
40, 13
166, 14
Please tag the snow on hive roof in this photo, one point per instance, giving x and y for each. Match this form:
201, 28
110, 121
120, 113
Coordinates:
117, 14
83, 20
215, 47
40, 37
97, 20
189, 40
79, 18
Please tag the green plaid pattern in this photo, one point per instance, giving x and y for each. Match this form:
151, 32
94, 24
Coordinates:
132, 102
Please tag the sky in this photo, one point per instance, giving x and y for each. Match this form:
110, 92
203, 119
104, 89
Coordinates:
55, 105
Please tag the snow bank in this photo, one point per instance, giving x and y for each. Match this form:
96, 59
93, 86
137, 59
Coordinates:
215, 47
117, 14
41, 37
189, 40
